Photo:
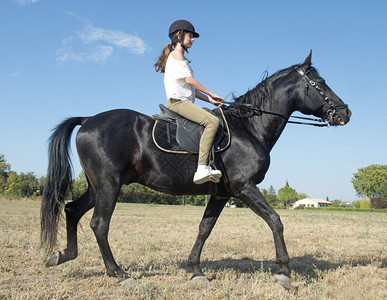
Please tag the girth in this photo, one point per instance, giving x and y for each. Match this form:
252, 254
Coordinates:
175, 134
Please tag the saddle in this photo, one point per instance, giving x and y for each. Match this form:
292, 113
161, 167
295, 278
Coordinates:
175, 134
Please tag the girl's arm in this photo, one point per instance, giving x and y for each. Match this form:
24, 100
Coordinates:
209, 99
203, 93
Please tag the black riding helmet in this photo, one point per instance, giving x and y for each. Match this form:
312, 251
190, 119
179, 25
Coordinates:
182, 26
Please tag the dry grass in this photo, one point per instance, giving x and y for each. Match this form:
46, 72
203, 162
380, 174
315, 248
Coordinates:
334, 255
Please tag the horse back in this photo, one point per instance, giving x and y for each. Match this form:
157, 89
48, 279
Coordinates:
118, 144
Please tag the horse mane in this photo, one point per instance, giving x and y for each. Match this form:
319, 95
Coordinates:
264, 90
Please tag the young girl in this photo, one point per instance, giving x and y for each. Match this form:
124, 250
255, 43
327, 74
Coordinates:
182, 88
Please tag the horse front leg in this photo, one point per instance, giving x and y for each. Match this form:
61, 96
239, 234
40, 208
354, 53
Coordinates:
211, 214
254, 200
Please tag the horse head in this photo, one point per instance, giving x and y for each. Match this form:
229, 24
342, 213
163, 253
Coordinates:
317, 98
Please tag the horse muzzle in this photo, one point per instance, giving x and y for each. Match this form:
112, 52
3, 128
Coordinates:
338, 116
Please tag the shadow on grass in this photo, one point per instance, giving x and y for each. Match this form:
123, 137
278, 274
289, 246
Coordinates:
307, 266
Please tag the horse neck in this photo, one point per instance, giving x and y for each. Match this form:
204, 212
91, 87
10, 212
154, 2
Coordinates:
274, 125
267, 128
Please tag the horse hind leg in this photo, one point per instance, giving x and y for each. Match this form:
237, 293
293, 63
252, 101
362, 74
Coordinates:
106, 197
74, 211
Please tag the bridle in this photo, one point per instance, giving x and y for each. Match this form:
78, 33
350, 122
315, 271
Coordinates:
324, 122
334, 108
253, 110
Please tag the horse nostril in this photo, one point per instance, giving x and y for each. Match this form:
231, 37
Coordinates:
349, 113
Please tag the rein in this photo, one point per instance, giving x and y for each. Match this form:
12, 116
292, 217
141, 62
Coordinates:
254, 111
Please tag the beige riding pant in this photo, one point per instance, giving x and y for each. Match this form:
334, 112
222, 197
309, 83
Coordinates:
198, 115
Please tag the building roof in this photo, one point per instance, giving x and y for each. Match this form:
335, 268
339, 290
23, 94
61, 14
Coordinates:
317, 200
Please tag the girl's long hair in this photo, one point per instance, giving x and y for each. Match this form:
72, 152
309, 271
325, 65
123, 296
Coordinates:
162, 61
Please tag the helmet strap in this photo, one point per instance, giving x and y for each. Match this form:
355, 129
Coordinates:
181, 40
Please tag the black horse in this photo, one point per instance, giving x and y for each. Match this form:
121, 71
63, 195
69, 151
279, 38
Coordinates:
116, 148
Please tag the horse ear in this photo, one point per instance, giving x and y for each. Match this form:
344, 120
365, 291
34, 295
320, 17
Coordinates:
308, 61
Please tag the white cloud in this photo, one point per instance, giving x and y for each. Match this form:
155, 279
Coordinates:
96, 44
91, 34
97, 54
25, 2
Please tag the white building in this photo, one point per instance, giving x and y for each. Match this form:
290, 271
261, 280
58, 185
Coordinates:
309, 202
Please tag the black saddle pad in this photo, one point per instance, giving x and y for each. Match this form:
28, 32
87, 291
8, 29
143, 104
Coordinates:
173, 133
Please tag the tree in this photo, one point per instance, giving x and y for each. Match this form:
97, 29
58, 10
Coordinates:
42, 181
270, 196
371, 181
287, 195
4, 170
23, 185
378, 203
356, 204
338, 203
29, 184
4, 166
12, 186
79, 185
137, 193
382, 192
365, 204
302, 196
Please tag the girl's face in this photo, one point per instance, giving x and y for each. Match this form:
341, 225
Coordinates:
188, 39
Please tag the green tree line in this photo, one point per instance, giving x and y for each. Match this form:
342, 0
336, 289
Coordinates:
13, 185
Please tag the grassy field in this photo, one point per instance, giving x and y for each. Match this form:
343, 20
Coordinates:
334, 255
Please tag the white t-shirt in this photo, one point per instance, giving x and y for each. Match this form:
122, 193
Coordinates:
175, 85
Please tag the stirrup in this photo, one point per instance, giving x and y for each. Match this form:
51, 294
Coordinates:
214, 178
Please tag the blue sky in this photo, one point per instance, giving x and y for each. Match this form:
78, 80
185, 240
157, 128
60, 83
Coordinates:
67, 58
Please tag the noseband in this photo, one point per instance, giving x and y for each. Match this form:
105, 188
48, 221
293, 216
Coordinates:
334, 108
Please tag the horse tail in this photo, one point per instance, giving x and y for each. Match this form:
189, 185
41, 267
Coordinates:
58, 180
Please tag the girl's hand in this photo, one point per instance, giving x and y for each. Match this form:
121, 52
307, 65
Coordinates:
216, 100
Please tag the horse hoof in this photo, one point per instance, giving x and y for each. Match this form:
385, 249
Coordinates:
129, 282
201, 281
53, 259
117, 273
284, 281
